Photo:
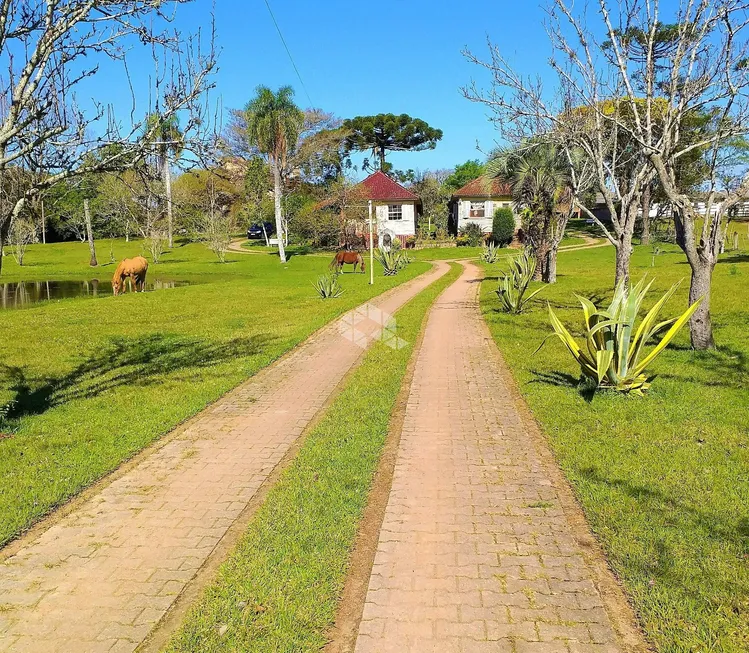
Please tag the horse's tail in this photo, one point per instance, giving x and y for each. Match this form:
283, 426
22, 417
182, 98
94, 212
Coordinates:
333, 263
362, 264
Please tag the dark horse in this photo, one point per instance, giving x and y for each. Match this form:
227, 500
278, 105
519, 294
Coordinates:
350, 258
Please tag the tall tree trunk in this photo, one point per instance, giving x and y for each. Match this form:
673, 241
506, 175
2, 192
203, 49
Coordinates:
623, 256
645, 239
169, 204
540, 252
4, 230
279, 217
90, 233
44, 225
700, 325
550, 273
382, 158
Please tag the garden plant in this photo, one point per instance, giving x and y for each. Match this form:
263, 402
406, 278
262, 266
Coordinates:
615, 356
503, 226
327, 286
514, 285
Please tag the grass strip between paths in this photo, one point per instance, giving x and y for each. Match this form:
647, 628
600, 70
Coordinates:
280, 588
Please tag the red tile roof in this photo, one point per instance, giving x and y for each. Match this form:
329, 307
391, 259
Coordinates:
380, 187
485, 186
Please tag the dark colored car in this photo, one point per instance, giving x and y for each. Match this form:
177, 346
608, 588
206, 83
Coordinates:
255, 231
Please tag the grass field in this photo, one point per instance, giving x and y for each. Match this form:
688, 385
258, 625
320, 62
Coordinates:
664, 480
279, 589
86, 383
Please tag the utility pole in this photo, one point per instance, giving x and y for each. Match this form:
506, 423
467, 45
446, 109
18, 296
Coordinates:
371, 247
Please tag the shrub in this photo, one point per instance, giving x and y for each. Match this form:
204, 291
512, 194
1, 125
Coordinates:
388, 258
489, 254
514, 284
503, 226
614, 348
393, 260
474, 233
410, 242
327, 286
462, 241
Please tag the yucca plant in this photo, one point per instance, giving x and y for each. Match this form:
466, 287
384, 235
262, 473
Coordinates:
514, 285
392, 260
327, 286
403, 259
490, 253
615, 356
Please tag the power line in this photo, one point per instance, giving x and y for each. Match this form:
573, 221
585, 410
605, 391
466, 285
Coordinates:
283, 40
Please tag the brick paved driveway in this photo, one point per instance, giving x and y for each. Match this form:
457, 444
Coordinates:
103, 576
475, 554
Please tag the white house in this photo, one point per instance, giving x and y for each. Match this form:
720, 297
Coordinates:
478, 200
395, 207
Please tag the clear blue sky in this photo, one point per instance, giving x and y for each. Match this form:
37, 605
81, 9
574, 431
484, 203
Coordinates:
361, 58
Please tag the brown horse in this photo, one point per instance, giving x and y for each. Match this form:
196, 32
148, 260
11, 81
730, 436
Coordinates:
350, 258
135, 268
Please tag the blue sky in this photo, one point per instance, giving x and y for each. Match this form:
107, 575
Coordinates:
360, 58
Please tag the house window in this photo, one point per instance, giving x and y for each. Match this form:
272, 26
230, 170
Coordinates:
478, 210
395, 212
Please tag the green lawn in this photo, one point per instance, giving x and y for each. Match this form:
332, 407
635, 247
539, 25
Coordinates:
279, 589
86, 383
572, 241
664, 480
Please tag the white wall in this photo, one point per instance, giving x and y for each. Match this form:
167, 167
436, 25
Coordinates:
491, 205
404, 227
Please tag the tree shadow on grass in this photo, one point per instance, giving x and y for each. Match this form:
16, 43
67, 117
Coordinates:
676, 515
723, 367
141, 361
562, 380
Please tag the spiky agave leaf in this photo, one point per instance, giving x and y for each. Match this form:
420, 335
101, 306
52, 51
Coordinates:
613, 351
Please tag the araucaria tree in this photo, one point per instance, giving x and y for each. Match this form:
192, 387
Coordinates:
386, 132
48, 49
273, 124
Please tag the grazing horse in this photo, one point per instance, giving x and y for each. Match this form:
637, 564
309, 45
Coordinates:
350, 258
135, 268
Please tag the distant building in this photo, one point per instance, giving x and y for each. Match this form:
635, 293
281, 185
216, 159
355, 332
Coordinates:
478, 200
395, 208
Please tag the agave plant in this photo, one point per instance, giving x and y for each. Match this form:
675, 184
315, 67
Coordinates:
327, 286
615, 356
490, 253
392, 260
514, 285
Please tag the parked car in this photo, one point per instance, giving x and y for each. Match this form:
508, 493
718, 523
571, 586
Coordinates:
255, 231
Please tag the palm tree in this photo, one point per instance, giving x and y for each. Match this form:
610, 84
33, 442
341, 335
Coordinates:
166, 138
539, 174
273, 126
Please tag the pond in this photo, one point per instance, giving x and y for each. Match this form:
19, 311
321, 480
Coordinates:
27, 293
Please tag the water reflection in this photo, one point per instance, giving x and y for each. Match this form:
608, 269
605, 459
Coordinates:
28, 293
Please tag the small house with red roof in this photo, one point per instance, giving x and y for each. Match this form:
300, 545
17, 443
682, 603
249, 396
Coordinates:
395, 207
478, 200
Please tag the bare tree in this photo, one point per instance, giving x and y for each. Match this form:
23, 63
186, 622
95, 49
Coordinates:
22, 235
585, 113
50, 48
629, 102
705, 72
